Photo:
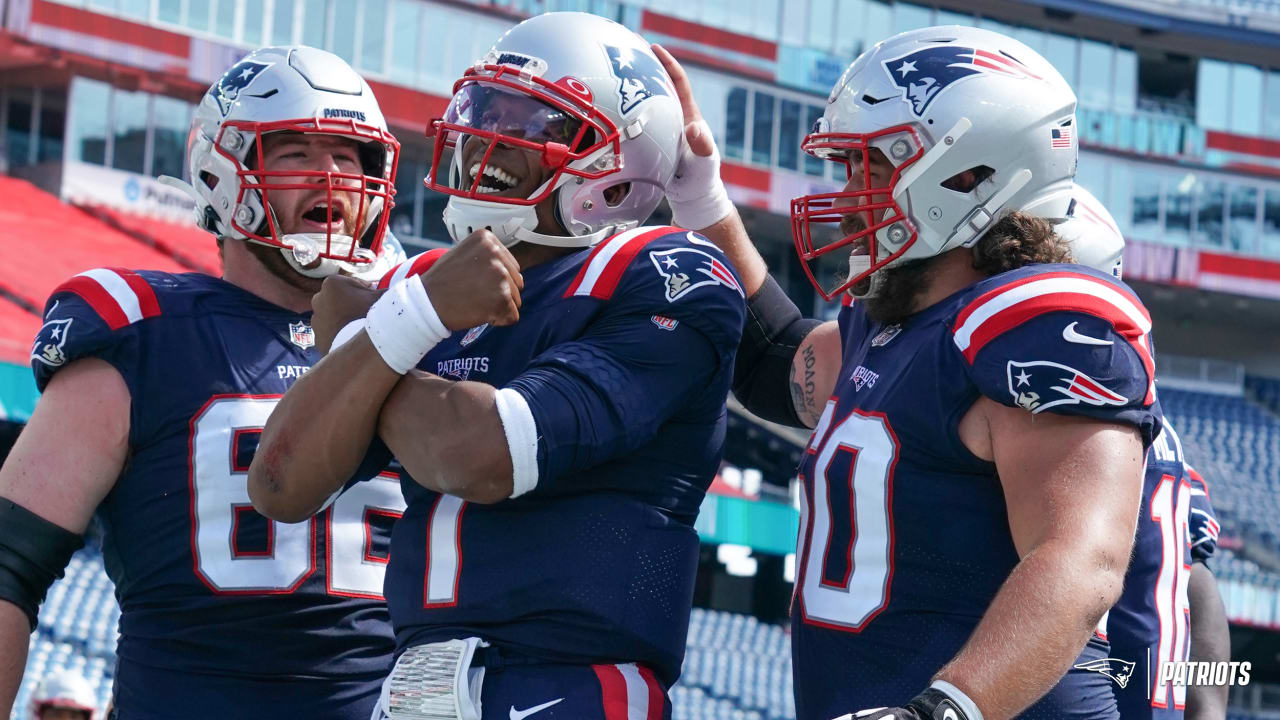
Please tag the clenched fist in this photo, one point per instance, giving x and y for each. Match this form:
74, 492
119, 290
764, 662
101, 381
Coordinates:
476, 282
341, 299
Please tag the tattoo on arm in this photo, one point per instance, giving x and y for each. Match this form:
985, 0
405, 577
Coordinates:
804, 386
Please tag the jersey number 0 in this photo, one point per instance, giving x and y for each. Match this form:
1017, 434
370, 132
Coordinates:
845, 574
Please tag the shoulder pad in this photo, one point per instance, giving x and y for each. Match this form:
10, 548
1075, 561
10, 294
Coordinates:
1090, 311
88, 315
678, 260
118, 296
415, 265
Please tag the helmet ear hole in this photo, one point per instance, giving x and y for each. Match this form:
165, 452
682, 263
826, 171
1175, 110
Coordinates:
209, 179
372, 158
966, 180
615, 194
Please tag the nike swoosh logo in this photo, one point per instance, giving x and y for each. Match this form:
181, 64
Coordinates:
1070, 335
522, 714
949, 714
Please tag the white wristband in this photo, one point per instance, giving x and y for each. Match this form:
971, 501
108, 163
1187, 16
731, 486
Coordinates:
403, 325
964, 702
347, 332
522, 439
696, 194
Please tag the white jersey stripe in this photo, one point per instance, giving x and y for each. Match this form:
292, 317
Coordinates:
119, 291
637, 692
601, 260
1037, 288
401, 272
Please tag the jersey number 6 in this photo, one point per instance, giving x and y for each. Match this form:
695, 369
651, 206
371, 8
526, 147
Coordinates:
220, 501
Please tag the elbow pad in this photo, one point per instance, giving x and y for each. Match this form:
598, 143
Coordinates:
33, 553
770, 340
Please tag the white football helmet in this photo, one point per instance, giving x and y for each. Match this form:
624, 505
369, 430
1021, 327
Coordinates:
1092, 233
937, 102
64, 689
584, 95
290, 89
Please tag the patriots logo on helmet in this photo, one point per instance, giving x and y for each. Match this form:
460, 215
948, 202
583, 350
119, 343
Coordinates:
227, 91
1114, 668
640, 77
924, 74
1039, 385
687, 269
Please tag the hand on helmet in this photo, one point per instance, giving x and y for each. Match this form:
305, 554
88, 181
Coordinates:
341, 299
697, 195
478, 281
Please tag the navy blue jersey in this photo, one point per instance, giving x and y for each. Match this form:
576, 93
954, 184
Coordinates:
904, 535
223, 612
624, 354
1149, 625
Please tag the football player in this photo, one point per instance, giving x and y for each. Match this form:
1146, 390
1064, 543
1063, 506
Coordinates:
568, 410
1169, 608
156, 387
980, 409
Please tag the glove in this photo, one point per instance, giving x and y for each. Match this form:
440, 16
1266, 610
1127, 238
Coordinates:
696, 192
932, 704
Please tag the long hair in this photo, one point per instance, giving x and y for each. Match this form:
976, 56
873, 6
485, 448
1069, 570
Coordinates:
1016, 241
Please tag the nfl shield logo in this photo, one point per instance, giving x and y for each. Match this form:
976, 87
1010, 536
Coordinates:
472, 334
890, 332
302, 335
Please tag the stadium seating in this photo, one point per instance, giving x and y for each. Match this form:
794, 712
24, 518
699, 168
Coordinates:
77, 630
58, 241
183, 241
20, 328
1235, 443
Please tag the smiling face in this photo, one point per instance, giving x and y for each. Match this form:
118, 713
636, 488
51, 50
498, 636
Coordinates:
313, 210
498, 167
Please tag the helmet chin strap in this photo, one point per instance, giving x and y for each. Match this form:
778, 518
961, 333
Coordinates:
859, 264
510, 223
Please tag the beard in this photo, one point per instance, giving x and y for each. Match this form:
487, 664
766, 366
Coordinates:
897, 289
272, 259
